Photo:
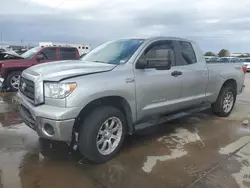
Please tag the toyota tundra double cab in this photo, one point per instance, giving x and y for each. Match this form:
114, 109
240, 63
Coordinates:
123, 86
12, 67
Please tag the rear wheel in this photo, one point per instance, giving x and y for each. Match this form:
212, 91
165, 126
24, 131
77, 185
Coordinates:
102, 134
225, 102
13, 80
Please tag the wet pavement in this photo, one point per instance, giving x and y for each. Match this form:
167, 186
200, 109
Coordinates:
196, 151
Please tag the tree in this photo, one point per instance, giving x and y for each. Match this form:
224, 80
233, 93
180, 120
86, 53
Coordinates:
224, 53
210, 54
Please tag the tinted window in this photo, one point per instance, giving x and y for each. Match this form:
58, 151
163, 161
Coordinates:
49, 53
224, 60
233, 60
159, 52
187, 52
67, 53
246, 60
237, 60
214, 59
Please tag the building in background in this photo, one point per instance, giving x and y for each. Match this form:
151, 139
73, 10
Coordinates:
239, 54
82, 48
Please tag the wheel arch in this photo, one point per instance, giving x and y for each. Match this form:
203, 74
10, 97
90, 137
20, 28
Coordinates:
115, 101
231, 82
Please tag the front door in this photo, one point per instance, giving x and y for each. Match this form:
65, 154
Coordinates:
157, 91
48, 54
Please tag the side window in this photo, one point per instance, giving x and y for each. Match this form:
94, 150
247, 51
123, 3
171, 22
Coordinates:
49, 54
67, 53
187, 53
237, 60
159, 52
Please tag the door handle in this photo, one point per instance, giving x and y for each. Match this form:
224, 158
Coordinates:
176, 73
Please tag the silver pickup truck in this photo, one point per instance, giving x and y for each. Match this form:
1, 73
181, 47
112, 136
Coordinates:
120, 87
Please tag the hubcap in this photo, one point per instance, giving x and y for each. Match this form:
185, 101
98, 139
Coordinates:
15, 80
109, 136
228, 101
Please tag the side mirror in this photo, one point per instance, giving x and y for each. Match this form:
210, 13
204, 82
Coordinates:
160, 60
39, 57
159, 65
141, 63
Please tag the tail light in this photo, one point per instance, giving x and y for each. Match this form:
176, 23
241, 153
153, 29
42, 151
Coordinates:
244, 68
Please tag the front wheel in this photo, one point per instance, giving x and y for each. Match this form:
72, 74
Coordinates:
13, 80
102, 134
225, 102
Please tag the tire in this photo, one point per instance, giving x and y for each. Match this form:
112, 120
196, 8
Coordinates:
13, 76
218, 107
89, 134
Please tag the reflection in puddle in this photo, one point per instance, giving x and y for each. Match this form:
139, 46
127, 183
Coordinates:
175, 142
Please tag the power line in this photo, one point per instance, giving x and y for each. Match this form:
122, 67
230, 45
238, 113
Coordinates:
56, 6
1, 37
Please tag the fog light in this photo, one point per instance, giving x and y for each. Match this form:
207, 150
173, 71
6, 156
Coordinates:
48, 129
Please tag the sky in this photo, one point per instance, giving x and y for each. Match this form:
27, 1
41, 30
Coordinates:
213, 24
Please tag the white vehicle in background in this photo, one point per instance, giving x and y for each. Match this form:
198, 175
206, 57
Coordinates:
207, 58
246, 62
82, 48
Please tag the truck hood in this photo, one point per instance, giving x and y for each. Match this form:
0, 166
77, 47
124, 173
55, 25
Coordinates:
62, 70
11, 55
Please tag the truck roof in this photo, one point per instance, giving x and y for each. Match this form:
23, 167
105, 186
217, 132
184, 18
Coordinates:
158, 38
57, 47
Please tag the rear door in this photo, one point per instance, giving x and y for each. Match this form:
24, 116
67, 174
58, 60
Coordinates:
194, 74
68, 54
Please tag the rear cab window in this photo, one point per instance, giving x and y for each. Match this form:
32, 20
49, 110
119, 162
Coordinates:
67, 53
188, 56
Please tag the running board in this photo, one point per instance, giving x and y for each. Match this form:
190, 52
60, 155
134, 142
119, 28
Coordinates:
171, 117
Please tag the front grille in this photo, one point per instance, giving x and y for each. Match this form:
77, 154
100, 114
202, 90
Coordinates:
27, 87
27, 117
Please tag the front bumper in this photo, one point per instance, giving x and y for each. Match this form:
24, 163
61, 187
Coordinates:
61, 120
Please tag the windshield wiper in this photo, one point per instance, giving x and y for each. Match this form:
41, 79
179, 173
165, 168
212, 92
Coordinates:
100, 61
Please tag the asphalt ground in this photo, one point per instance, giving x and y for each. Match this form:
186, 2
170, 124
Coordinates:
200, 150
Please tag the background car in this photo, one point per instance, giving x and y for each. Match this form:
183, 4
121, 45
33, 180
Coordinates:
246, 62
229, 60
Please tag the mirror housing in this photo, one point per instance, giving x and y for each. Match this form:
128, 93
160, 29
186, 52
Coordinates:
161, 63
141, 63
39, 57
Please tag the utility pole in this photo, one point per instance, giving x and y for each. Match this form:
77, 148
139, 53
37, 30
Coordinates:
1, 37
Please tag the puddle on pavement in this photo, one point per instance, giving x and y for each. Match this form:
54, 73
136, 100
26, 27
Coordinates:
172, 155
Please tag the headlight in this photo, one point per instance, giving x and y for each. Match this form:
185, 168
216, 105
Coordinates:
58, 90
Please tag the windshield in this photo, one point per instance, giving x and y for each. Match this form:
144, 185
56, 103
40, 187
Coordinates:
30, 53
115, 52
224, 60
